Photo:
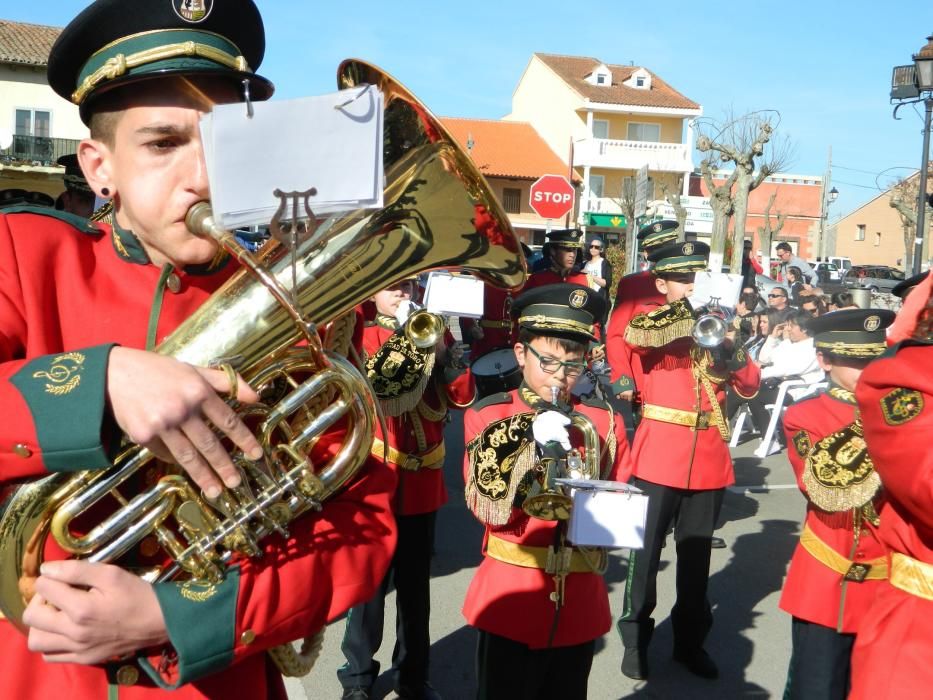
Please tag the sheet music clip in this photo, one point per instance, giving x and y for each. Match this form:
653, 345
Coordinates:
294, 229
247, 99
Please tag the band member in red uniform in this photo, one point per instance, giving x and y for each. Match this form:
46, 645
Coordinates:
415, 381
681, 459
495, 329
840, 563
538, 602
891, 658
634, 291
78, 303
563, 250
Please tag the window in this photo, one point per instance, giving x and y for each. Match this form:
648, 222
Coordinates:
860, 232
628, 188
600, 129
640, 81
33, 122
597, 183
512, 200
644, 132
877, 238
600, 79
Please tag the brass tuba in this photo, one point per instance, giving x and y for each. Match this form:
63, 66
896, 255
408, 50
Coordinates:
439, 213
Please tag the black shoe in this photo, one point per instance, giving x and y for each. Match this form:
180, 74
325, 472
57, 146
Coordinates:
635, 664
698, 662
717, 543
356, 693
425, 691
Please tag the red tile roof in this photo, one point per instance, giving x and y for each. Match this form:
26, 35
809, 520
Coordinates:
573, 70
506, 149
26, 43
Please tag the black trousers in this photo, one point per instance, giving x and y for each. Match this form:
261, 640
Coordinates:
510, 670
820, 664
694, 515
761, 415
410, 570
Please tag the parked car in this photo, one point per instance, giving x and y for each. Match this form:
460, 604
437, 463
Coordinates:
877, 278
826, 272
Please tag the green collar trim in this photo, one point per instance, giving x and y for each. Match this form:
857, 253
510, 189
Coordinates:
130, 248
837, 392
388, 322
79, 222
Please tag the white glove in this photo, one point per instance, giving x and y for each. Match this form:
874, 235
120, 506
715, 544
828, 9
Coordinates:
551, 426
403, 311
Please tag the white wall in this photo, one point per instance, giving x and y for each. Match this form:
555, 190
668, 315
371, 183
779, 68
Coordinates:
25, 87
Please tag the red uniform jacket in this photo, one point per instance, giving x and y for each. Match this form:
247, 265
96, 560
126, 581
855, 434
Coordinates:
892, 653
677, 455
421, 430
553, 276
812, 591
513, 601
634, 292
496, 323
64, 290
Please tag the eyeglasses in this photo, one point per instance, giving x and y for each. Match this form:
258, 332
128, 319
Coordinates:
812, 311
597, 247
550, 365
777, 296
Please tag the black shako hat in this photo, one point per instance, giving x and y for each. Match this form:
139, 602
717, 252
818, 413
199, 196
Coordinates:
563, 309
851, 332
657, 232
566, 238
74, 176
673, 257
117, 42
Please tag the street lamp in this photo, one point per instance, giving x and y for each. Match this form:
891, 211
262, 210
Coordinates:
911, 86
833, 193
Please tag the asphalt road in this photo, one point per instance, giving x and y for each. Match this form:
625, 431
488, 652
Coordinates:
750, 638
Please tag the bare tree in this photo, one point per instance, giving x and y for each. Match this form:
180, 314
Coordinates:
626, 203
767, 233
673, 198
747, 142
904, 199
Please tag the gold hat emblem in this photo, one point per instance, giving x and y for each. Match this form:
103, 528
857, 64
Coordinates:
656, 228
578, 298
688, 249
193, 11
872, 323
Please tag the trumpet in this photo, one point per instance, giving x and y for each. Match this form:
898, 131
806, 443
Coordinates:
711, 328
550, 500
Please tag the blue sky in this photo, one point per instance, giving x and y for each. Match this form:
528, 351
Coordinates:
825, 66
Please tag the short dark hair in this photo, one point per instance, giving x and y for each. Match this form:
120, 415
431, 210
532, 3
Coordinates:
783, 245
800, 318
840, 299
815, 300
564, 342
750, 299
795, 271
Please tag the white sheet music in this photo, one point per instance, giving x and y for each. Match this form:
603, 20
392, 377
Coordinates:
332, 143
454, 295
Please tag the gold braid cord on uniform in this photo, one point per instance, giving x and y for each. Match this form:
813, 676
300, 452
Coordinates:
702, 373
399, 373
661, 326
500, 458
839, 474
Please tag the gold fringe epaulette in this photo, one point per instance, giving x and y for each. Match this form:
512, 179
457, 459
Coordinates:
500, 457
661, 326
839, 474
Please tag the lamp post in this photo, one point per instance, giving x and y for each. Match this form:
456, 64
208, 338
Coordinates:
911, 84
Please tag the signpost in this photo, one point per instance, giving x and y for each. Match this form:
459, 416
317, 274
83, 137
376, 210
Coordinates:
552, 196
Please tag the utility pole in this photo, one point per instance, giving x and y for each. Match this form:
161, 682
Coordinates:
821, 251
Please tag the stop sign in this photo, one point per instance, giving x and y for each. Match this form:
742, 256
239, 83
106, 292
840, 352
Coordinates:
552, 196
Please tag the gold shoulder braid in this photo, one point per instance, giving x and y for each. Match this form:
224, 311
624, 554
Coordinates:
399, 373
703, 374
500, 457
661, 326
839, 474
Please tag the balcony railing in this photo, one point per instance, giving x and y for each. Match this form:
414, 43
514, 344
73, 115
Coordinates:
37, 150
612, 153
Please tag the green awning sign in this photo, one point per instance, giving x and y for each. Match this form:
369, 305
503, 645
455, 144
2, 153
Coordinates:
606, 220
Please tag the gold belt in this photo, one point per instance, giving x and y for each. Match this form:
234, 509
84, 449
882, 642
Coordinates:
432, 459
858, 571
537, 557
692, 419
912, 575
490, 323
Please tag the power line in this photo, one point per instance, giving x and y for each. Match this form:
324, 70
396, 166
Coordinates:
852, 184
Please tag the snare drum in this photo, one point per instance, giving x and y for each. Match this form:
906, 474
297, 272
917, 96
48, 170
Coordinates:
496, 371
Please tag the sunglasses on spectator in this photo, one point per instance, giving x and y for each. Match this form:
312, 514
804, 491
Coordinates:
598, 247
811, 311
777, 296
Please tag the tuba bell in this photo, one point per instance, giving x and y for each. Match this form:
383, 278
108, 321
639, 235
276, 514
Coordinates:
439, 213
